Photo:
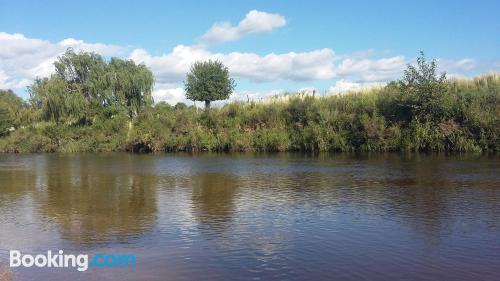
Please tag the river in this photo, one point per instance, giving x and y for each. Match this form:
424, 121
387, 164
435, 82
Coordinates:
256, 216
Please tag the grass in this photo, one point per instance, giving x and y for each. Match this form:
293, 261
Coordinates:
379, 119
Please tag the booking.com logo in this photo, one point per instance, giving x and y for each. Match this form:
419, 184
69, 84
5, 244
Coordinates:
81, 262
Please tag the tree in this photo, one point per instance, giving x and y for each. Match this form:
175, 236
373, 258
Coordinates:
15, 111
85, 73
180, 106
5, 121
131, 85
425, 92
51, 97
85, 85
209, 81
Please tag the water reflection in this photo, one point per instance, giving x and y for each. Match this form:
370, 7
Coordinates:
285, 216
213, 198
88, 201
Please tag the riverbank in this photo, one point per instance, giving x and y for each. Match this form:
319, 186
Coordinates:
382, 119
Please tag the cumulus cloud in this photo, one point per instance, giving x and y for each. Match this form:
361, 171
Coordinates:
3, 77
171, 67
321, 64
457, 65
170, 93
303, 66
257, 95
254, 22
22, 59
344, 86
173, 94
370, 70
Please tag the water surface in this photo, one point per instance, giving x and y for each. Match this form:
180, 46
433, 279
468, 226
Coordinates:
256, 216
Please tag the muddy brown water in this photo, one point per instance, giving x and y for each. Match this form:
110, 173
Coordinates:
255, 216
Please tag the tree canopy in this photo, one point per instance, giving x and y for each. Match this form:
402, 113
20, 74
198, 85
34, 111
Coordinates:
209, 81
426, 91
85, 84
96, 104
13, 111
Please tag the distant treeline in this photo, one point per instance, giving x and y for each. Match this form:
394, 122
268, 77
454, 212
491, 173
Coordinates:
94, 105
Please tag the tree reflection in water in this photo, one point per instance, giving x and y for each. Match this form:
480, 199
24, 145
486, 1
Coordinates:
97, 201
213, 198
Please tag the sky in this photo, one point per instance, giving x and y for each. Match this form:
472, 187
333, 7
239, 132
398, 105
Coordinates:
270, 47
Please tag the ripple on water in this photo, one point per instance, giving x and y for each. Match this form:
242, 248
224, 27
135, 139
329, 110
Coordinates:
257, 217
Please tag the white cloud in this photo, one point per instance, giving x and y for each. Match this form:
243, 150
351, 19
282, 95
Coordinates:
171, 67
103, 49
344, 86
254, 22
173, 94
455, 76
370, 70
169, 93
256, 95
304, 66
457, 65
3, 78
22, 59
321, 64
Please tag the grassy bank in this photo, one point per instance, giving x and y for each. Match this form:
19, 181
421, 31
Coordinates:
466, 117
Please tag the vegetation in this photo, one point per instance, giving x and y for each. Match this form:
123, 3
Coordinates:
14, 112
209, 81
86, 87
78, 110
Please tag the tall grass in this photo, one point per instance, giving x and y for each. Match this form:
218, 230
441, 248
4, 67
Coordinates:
379, 119
358, 121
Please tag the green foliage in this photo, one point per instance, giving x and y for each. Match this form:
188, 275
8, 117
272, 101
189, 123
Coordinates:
424, 93
131, 85
85, 86
85, 74
5, 121
51, 98
422, 112
355, 122
27, 140
209, 81
180, 106
14, 112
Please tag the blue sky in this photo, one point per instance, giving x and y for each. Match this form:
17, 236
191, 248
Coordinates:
279, 45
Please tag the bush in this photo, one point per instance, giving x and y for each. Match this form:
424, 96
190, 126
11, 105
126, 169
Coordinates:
373, 120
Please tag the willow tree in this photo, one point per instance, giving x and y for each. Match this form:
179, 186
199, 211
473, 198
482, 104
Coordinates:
84, 84
15, 111
131, 85
85, 73
208, 81
51, 98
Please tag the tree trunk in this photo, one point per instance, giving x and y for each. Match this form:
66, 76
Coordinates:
207, 104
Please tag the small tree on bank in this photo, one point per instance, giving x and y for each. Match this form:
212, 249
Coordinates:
427, 91
208, 81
